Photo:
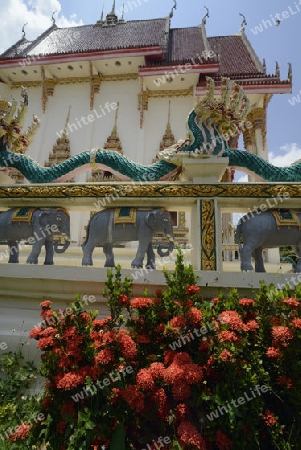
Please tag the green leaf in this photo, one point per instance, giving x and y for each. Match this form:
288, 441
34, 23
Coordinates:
118, 438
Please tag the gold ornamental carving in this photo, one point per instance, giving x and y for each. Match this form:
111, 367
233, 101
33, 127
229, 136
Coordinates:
249, 137
77, 80
208, 251
171, 93
158, 190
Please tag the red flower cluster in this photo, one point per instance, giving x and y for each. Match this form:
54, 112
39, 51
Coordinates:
141, 302
189, 436
282, 333
193, 289
269, 418
20, 433
232, 318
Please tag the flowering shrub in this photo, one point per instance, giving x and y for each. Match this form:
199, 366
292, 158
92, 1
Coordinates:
216, 374
16, 406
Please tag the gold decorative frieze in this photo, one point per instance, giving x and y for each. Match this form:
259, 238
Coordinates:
171, 93
77, 80
156, 190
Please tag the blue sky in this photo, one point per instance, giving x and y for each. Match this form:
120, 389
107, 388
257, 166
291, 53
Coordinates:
274, 43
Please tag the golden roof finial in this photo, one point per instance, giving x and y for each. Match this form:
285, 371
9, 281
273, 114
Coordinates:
173, 8
205, 16
243, 23
52, 18
23, 30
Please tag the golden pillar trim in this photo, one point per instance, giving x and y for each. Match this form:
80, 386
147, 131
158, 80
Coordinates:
142, 102
182, 219
95, 82
49, 86
208, 238
258, 118
249, 137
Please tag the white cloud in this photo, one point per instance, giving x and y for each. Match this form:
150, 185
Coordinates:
36, 13
290, 153
287, 154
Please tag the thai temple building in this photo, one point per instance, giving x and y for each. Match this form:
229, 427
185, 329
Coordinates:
128, 86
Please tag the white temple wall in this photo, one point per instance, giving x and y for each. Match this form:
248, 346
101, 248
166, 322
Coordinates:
138, 145
4, 92
156, 119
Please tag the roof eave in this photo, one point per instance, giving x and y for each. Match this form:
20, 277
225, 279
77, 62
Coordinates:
179, 68
82, 56
254, 88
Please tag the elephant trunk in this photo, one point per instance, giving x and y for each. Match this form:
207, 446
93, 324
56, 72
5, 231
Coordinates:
60, 246
166, 252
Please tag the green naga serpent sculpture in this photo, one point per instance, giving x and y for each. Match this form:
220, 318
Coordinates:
211, 128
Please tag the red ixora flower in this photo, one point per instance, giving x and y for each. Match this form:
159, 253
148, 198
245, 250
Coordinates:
296, 323
285, 381
69, 381
195, 316
21, 432
145, 380
222, 441
193, 289
141, 302
273, 352
178, 322
233, 319
35, 333
291, 301
124, 300
246, 301
269, 418
228, 336
282, 333
251, 325
225, 355
189, 435
46, 304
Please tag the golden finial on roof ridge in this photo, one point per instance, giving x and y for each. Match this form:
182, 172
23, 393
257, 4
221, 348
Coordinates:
243, 23
173, 8
52, 18
205, 16
23, 30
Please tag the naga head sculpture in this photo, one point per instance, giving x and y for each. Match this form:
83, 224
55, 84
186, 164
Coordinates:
12, 120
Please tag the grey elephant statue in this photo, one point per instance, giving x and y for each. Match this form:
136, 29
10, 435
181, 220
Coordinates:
37, 227
119, 225
267, 229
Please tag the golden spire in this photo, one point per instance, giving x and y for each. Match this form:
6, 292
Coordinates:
64, 133
168, 137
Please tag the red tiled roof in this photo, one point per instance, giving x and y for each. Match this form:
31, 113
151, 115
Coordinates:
18, 48
234, 55
185, 44
89, 38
